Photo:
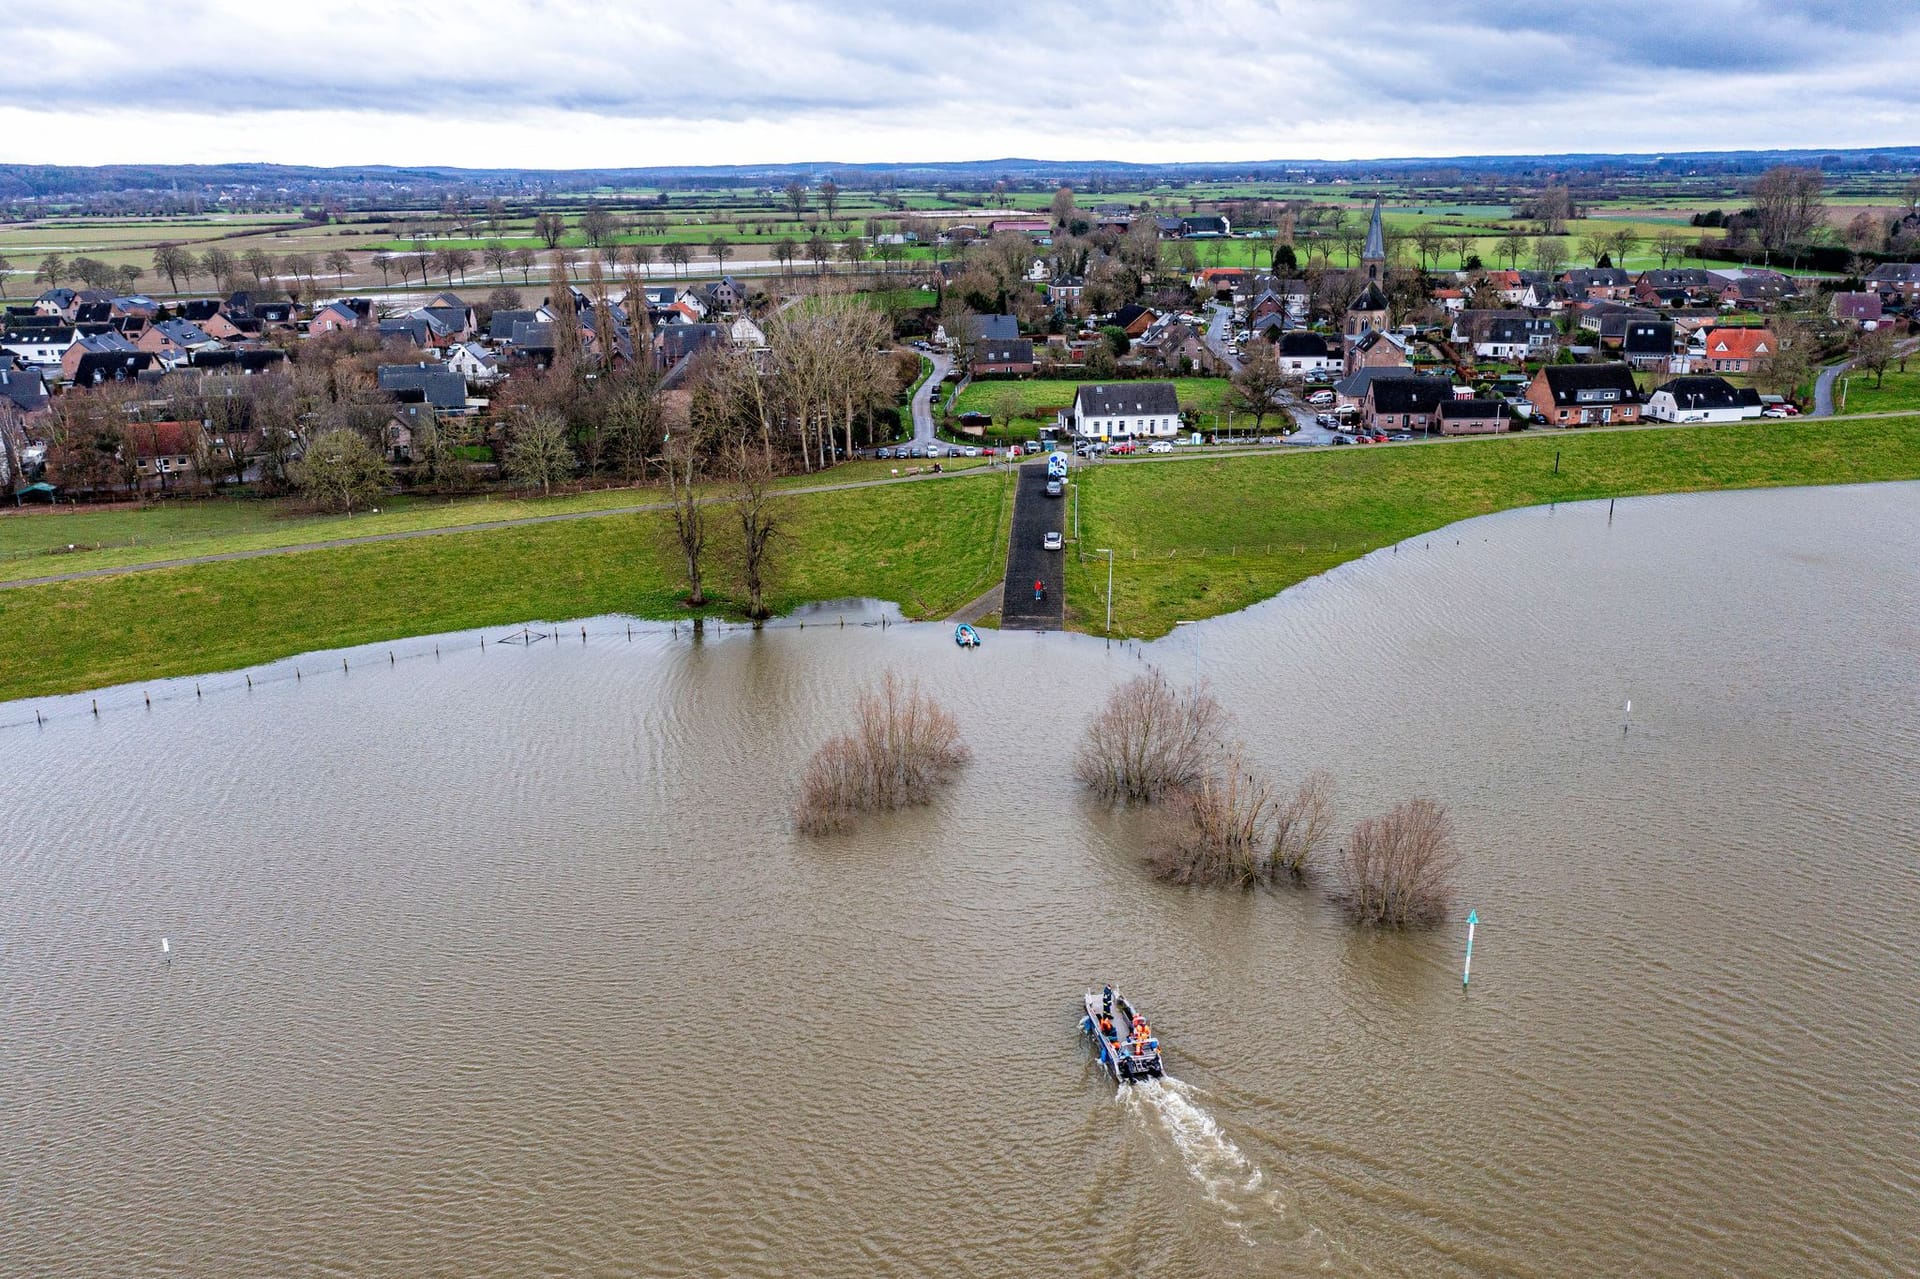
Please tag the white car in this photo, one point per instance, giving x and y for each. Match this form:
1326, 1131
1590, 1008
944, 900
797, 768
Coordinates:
1160, 446
1321, 398
1052, 542
972, 452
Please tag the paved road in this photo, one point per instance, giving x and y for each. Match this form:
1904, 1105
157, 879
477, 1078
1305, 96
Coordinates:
923, 400
1034, 514
1219, 335
1823, 385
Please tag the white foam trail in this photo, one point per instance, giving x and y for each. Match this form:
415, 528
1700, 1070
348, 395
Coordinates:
1227, 1178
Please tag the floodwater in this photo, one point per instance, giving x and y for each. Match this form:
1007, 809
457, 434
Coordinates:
508, 962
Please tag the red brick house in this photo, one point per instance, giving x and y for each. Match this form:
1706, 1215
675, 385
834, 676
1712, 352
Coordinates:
1738, 350
1585, 394
1473, 417
1011, 358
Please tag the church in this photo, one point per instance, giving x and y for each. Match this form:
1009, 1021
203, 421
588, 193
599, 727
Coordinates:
1367, 313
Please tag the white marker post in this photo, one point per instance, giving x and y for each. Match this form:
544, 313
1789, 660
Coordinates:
1627, 717
1466, 971
166, 948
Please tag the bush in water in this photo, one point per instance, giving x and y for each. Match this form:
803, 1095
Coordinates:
903, 744
1398, 868
1217, 832
1150, 740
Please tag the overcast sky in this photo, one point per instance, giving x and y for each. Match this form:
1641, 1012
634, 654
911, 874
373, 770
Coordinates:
572, 83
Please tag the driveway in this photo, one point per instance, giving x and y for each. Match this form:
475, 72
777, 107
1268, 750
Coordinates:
1219, 335
1034, 515
923, 399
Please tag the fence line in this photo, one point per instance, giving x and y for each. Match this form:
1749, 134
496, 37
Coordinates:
295, 670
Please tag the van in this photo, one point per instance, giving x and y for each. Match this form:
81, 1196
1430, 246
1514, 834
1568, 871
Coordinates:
1057, 466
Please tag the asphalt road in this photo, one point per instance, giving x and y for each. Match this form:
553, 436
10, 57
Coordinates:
1219, 335
923, 400
1034, 514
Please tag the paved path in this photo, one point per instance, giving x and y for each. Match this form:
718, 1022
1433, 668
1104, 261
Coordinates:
1823, 385
481, 527
1219, 335
988, 602
923, 425
1034, 515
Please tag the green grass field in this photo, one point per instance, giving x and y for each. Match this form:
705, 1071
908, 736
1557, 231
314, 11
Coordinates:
1197, 538
929, 546
1898, 392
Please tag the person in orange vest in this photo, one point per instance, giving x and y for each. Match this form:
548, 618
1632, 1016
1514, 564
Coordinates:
1141, 1031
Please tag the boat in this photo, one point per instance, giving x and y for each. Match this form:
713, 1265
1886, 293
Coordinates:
1123, 1042
965, 636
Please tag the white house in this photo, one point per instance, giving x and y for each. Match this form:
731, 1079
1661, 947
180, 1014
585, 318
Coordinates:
42, 347
1305, 355
1701, 399
743, 332
474, 362
1124, 410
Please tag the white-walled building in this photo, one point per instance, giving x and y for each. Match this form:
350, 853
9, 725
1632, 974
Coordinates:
1125, 410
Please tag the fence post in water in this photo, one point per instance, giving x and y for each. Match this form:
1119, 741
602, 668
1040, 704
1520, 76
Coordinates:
1466, 969
1556, 461
343, 666
96, 708
249, 683
148, 697
389, 657
1609, 511
583, 634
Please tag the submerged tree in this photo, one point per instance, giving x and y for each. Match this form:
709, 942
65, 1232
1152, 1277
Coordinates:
1398, 869
903, 746
1150, 740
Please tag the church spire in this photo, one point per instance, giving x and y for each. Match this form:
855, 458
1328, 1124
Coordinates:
1374, 256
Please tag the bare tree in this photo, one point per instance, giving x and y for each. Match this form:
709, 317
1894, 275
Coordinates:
1218, 831
259, 264
677, 256
538, 454
796, 193
340, 470
1513, 246
1427, 241
1549, 255
1873, 350
171, 260
785, 249
1150, 740
1302, 826
641, 255
52, 267
1398, 869
1593, 246
550, 229
523, 262
903, 747
1670, 245
722, 249
1257, 386
819, 251
497, 256
687, 517
759, 518
1621, 244
1787, 206
830, 198
596, 224
217, 263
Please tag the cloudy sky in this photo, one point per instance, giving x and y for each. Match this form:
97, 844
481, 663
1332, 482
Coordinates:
578, 83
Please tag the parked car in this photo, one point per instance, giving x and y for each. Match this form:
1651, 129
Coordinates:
1780, 410
1402, 436
1160, 446
1125, 446
1379, 437
884, 454
1321, 398
972, 452
933, 450
1052, 541
1056, 487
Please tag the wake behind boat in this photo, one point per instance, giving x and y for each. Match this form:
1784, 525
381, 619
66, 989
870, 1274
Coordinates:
1123, 1041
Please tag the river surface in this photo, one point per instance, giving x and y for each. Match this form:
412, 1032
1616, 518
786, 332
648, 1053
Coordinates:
507, 961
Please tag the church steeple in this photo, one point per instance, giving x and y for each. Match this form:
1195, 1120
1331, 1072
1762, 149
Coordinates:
1374, 256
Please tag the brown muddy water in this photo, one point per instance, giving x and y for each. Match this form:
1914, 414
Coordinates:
509, 962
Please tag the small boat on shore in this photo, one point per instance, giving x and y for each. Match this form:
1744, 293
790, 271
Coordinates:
1123, 1041
965, 636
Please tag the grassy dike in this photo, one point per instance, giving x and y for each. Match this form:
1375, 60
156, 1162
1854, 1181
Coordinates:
1195, 539
931, 547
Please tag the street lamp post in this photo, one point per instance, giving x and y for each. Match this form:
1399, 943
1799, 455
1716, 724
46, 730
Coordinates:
1108, 552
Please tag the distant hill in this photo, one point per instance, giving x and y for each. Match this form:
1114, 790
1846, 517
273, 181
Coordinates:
43, 181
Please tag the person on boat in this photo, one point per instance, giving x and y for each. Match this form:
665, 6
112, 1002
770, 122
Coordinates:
1106, 1001
1106, 1026
1141, 1033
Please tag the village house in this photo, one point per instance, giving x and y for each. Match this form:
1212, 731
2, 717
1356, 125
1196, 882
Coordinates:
1351, 391
174, 340
164, 454
433, 384
1473, 417
746, 334
99, 344
475, 363
23, 391
1647, 344
1125, 410
332, 318
1859, 310
1377, 349
1065, 290
1002, 357
1738, 350
1608, 283
1513, 338
1889, 279
1404, 403
1702, 399
1585, 394
39, 347
1304, 355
